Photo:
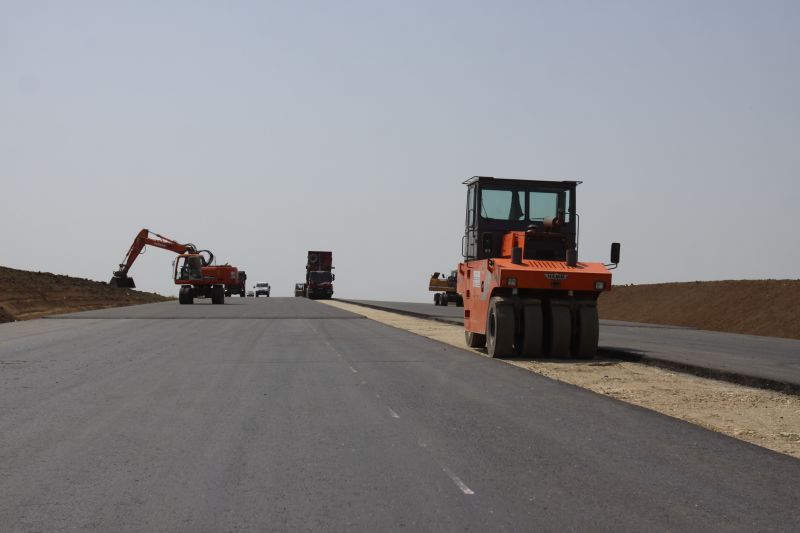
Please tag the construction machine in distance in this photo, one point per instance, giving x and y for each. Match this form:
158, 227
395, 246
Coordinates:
239, 287
319, 278
525, 291
194, 270
445, 289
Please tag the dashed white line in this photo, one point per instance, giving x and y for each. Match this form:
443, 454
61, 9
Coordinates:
460, 484
391, 412
353, 370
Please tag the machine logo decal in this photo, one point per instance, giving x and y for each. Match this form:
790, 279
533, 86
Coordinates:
476, 278
555, 277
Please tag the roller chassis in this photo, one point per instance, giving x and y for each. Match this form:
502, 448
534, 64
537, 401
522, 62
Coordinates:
538, 316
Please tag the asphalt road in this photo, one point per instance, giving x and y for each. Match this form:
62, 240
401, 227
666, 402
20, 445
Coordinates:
766, 358
311, 418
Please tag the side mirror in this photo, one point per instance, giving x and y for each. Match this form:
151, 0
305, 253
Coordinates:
615, 246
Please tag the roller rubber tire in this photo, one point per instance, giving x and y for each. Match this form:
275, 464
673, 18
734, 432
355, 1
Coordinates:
588, 334
559, 331
532, 330
475, 340
500, 328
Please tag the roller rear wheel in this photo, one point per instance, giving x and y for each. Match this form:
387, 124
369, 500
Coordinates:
559, 330
500, 328
533, 330
588, 334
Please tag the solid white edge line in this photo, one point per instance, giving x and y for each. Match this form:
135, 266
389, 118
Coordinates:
460, 484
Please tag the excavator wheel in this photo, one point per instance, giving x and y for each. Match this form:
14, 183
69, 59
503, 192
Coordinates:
436, 298
558, 329
475, 340
444, 300
217, 294
588, 325
185, 295
500, 328
459, 301
532, 329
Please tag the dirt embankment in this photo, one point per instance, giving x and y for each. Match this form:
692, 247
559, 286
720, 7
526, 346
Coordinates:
757, 307
25, 295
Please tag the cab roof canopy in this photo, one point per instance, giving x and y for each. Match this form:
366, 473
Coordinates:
519, 182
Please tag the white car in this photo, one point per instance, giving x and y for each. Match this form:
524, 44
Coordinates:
261, 289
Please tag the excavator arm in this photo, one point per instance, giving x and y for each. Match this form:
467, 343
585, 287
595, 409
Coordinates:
145, 238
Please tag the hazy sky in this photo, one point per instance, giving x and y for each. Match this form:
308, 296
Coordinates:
263, 129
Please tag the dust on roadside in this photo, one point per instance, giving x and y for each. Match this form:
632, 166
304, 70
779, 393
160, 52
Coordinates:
762, 417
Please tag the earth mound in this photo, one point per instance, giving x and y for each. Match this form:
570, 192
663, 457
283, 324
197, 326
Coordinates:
25, 295
755, 307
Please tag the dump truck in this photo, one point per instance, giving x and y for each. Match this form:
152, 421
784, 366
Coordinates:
299, 289
444, 288
240, 287
319, 275
525, 291
194, 270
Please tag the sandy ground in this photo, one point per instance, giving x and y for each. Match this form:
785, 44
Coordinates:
765, 418
25, 295
755, 307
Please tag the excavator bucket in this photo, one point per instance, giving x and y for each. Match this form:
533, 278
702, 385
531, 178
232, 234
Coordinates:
123, 282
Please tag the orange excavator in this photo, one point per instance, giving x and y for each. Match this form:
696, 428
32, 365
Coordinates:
194, 270
525, 291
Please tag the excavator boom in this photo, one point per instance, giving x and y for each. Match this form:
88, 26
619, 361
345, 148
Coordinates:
143, 238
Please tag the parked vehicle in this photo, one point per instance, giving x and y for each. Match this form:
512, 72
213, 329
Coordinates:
319, 278
261, 288
238, 287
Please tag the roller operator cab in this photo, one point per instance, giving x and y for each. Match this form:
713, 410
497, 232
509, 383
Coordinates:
525, 291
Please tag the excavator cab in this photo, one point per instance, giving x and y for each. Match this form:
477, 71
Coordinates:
188, 267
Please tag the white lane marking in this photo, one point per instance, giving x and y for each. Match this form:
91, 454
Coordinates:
460, 484
353, 370
391, 412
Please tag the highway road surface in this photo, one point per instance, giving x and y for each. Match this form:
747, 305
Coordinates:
283, 414
766, 358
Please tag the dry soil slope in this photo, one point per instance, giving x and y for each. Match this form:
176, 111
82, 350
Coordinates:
755, 307
25, 295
